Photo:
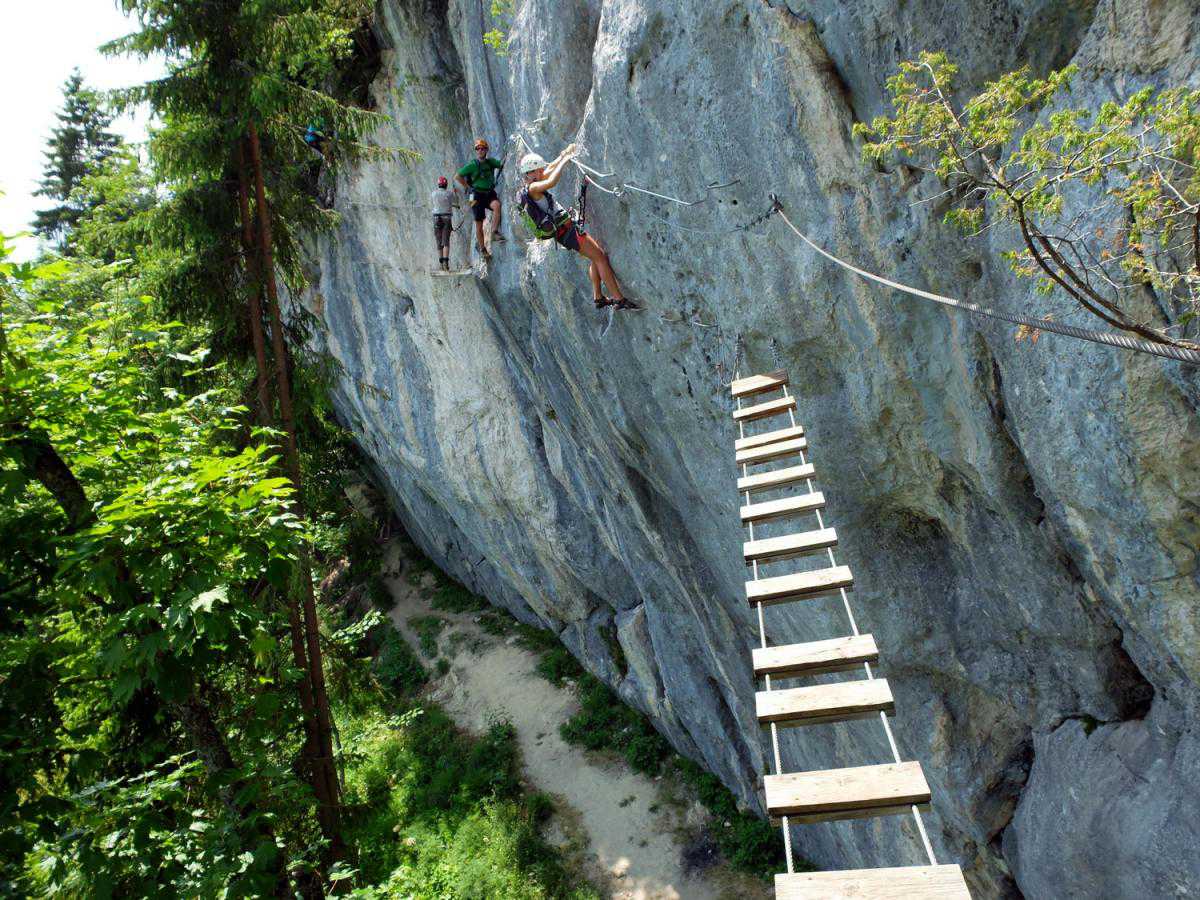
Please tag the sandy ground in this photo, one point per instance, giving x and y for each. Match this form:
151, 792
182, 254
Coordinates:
635, 837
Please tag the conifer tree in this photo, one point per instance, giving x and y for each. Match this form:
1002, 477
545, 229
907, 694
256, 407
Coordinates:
75, 149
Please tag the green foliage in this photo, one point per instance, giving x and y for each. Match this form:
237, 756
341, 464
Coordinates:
605, 723
497, 38
397, 666
452, 597
76, 148
427, 628
1104, 201
437, 814
557, 665
749, 843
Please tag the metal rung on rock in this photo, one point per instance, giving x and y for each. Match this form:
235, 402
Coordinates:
860, 792
906, 883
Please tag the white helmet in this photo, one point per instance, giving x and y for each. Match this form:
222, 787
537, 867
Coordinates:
531, 162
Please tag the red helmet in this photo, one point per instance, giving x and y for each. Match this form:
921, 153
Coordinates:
442, 181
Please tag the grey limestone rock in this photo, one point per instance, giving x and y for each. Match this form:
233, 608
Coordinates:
1022, 520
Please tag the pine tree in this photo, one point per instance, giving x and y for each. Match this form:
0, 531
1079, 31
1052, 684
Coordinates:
76, 147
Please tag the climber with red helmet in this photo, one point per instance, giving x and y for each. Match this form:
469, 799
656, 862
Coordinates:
548, 219
443, 201
479, 178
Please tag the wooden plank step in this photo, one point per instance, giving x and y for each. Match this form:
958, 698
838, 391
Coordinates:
770, 452
762, 410
855, 793
776, 478
905, 883
816, 657
758, 384
788, 546
768, 437
799, 585
816, 704
796, 505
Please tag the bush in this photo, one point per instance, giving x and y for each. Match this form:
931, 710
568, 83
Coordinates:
605, 723
557, 665
451, 596
427, 628
397, 666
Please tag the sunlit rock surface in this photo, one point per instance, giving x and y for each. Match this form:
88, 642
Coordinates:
1021, 519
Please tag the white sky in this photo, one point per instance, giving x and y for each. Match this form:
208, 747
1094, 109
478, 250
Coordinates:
39, 45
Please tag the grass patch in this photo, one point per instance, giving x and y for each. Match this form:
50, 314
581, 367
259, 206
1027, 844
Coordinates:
750, 844
605, 723
428, 628
557, 665
397, 666
452, 597
436, 813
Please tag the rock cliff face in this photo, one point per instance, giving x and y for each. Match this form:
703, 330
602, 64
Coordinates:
1022, 520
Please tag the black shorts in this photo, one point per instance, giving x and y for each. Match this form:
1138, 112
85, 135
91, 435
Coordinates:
483, 200
569, 238
441, 230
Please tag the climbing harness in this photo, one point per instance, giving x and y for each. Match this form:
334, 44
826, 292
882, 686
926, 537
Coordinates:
1166, 351
897, 787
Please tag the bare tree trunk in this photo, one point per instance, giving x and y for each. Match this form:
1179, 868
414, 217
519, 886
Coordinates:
329, 810
311, 752
255, 301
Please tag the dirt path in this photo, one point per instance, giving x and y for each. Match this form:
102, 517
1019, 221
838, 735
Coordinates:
627, 832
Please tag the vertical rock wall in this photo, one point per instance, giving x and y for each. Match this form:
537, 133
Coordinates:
1022, 520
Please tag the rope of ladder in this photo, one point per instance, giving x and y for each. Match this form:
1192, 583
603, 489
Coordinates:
1125, 342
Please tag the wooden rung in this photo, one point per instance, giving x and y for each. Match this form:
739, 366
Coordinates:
816, 657
815, 704
907, 883
758, 384
776, 478
796, 505
770, 452
768, 437
854, 793
762, 410
788, 546
799, 585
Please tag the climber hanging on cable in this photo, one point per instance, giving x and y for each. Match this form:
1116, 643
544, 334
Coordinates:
479, 178
549, 220
443, 200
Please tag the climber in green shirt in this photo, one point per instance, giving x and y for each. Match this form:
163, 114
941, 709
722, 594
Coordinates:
479, 178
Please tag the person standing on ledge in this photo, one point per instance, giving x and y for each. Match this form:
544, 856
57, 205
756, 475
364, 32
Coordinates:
549, 220
443, 200
479, 178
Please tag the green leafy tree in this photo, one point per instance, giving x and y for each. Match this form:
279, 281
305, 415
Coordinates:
1106, 202
77, 146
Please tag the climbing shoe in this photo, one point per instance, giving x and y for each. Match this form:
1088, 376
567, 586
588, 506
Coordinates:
603, 301
624, 303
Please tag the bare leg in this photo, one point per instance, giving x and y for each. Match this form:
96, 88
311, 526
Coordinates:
479, 237
595, 277
589, 247
495, 223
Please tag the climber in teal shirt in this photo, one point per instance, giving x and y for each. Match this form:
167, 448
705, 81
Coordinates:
479, 178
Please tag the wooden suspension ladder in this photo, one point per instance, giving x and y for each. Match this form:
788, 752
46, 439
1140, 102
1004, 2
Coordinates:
801, 797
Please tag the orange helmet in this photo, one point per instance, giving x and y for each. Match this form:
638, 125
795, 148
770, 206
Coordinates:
481, 143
